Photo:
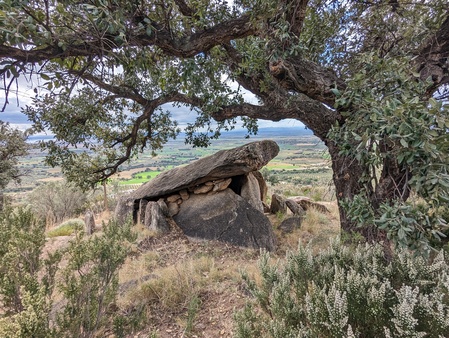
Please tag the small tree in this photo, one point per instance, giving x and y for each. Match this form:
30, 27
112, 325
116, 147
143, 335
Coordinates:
12, 145
90, 280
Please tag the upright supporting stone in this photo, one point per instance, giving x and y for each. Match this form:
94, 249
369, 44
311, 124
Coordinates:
89, 223
141, 214
155, 218
227, 217
262, 185
251, 191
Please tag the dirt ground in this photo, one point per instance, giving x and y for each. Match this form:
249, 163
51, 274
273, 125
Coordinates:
218, 286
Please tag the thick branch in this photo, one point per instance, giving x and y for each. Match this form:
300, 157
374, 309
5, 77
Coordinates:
184, 8
313, 114
307, 77
433, 57
296, 13
185, 46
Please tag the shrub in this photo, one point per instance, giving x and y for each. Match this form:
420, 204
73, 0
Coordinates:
56, 201
26, 280
344, 292
90, 279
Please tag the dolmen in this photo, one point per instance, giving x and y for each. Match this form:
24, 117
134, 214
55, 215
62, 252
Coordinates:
218, 197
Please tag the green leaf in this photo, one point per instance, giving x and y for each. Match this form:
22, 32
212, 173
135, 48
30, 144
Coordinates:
335, 91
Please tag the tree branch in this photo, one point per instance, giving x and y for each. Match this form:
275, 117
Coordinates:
184, 46
313, 114
307, 77
433, 58
184, 8
121, 91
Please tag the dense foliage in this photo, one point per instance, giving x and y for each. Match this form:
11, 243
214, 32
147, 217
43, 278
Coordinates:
368, 77
87, 283
345, 292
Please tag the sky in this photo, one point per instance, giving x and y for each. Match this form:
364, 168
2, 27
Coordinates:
183, 115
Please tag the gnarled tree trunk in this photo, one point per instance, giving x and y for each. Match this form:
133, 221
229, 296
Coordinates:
347, 174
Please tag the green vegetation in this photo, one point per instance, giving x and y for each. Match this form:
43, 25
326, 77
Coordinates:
66, 228
28, 285
141, 177
347, 292
12, 145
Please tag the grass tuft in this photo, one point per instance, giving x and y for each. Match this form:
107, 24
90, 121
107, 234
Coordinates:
175, 286
66, 229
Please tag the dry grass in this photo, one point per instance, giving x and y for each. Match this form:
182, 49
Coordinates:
66, 228
316, 229
173, 287
187, 288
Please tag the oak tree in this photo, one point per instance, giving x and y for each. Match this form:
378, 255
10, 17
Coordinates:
369, 78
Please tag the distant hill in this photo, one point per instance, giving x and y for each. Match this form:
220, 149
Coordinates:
270, 132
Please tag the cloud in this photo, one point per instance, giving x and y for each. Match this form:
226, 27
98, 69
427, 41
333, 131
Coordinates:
21, 94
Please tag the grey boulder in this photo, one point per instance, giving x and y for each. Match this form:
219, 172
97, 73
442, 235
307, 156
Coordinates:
227, 217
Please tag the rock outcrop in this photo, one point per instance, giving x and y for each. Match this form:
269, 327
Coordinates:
218, 197
298, 205
291, 223
307, 203
278, 204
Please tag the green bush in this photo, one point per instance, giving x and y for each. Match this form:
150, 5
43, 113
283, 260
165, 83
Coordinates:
348, 292
90, 279
88, 282
66, 229
26, 280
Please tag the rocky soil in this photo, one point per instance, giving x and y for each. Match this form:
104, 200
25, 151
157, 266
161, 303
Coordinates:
216, 283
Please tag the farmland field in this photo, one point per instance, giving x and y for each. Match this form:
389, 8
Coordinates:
302, 160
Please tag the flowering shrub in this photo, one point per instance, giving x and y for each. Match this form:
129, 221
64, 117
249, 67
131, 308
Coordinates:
348, 292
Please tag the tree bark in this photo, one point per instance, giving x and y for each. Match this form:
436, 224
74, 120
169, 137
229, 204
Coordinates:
347, 175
